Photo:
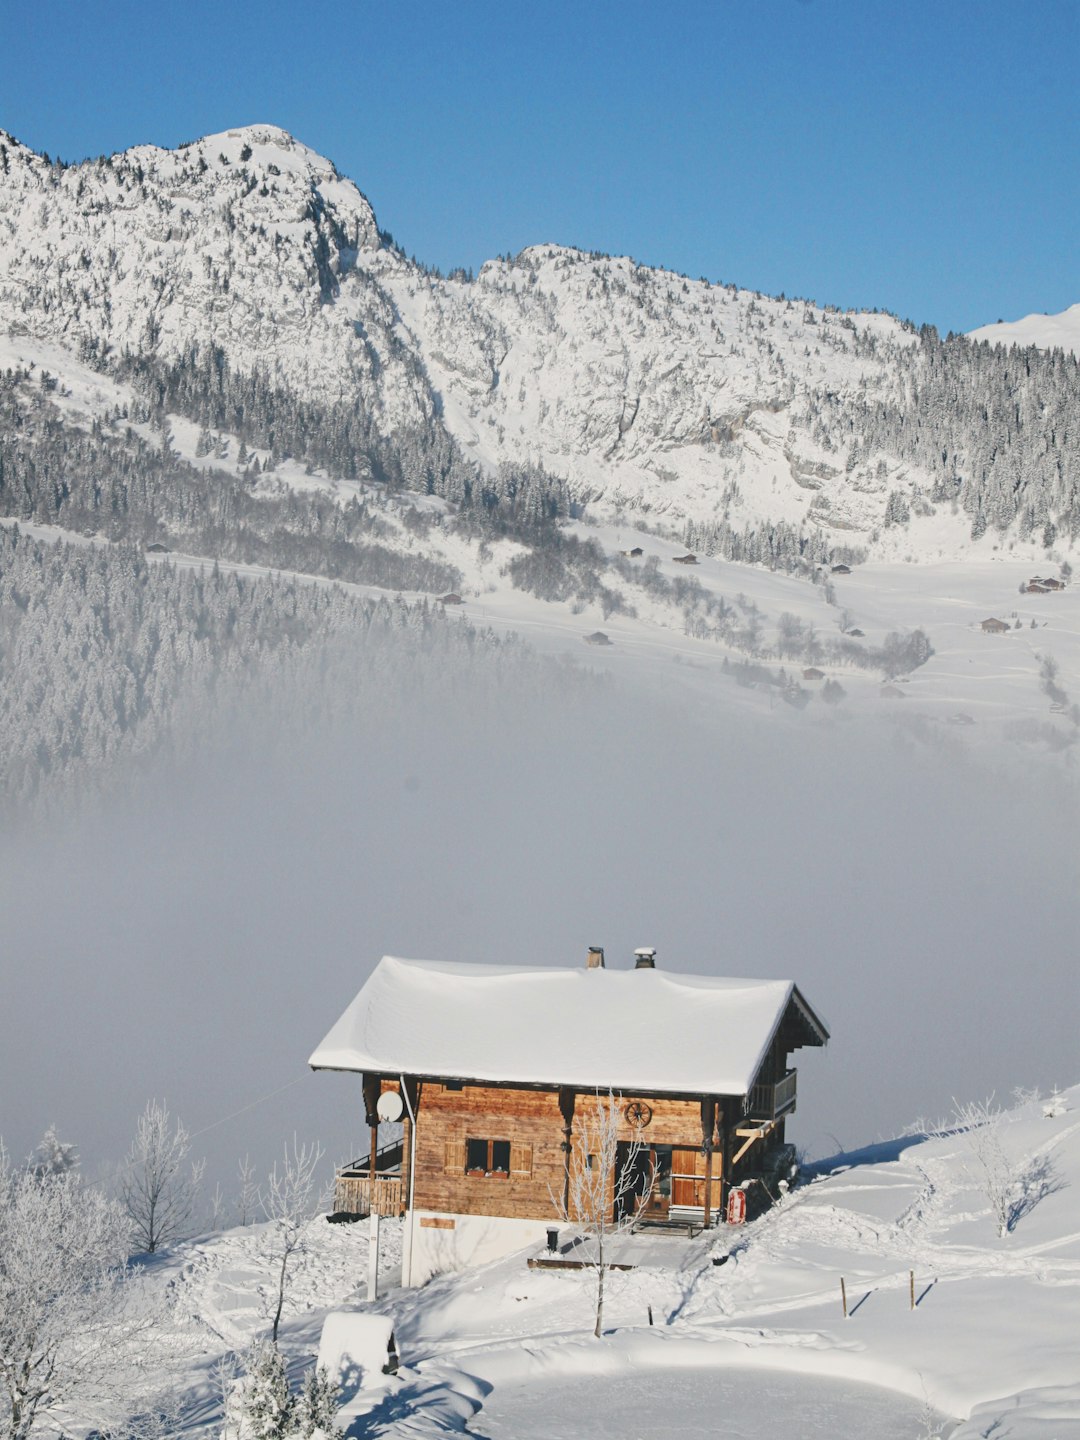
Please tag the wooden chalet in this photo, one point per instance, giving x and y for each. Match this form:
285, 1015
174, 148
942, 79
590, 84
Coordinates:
493, 1068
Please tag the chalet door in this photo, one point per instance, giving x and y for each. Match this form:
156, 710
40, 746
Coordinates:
658, 1198
635, 1170
688, 1180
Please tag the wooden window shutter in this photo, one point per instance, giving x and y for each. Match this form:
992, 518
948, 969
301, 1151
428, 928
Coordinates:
454, 1156
520, 1159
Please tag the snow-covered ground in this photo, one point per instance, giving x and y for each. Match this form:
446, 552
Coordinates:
989, 1348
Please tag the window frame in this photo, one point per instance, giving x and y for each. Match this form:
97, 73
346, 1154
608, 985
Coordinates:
488, 1172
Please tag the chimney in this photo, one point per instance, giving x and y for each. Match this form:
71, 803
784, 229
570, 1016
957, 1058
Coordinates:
595, 960
645, 958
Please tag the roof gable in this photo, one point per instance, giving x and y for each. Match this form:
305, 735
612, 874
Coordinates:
644, 1030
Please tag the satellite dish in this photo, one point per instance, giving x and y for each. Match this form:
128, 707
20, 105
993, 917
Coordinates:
389, 1108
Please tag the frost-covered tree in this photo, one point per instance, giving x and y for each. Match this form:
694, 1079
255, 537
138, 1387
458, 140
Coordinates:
53, 1156
269, 1406
317, 1406
73, 1320
605, 1188
158, 1185
290, 1203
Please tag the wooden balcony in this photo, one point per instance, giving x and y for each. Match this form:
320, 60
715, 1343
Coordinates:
356, 1193
771, 1101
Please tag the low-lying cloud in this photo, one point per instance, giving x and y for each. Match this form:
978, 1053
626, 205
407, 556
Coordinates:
195, 940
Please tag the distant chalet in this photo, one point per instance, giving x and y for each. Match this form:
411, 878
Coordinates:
841, 570
598, 637
685, 559
451, 599
995, 627
493, 1068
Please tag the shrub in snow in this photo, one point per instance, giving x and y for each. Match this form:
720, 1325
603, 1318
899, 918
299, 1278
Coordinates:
269, 1406
1013, 1188
263, 1407
317, 1406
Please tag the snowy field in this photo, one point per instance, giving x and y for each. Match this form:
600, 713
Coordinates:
696, 1404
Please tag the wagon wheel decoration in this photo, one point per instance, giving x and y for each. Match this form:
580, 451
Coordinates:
638, 1113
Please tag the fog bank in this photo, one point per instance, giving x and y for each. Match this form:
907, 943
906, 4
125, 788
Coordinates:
196, 940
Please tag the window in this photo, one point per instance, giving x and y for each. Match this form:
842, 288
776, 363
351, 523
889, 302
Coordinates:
488, 1157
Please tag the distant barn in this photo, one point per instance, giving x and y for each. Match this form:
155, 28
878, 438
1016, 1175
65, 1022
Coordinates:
995, 627
597, 638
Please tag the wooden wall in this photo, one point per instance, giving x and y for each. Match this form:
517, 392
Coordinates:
532, 1121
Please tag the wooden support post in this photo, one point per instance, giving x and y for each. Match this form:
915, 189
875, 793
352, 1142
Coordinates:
372, 1091
708, 1125
911, 1287
566, 1108
371, 1166
843, 1296
725, 1152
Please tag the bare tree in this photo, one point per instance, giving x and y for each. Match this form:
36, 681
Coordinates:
980, 1123
605, 1188
290, 1203
158, 1187
247, 1199
73, 1324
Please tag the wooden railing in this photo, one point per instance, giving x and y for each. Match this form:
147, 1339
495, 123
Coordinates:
355, 1193
769, 1102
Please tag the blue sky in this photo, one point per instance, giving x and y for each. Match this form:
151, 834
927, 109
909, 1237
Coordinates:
922, 158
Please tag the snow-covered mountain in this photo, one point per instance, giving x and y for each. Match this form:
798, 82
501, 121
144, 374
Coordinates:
1045, 332
685, 401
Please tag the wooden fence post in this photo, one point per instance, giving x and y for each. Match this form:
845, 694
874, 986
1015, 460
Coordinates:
843, 1296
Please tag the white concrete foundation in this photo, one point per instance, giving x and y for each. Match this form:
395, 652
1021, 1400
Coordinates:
448, 1242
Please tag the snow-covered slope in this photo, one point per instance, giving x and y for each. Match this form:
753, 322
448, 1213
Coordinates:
1045, 332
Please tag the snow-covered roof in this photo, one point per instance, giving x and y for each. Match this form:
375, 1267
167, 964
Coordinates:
644, 1030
